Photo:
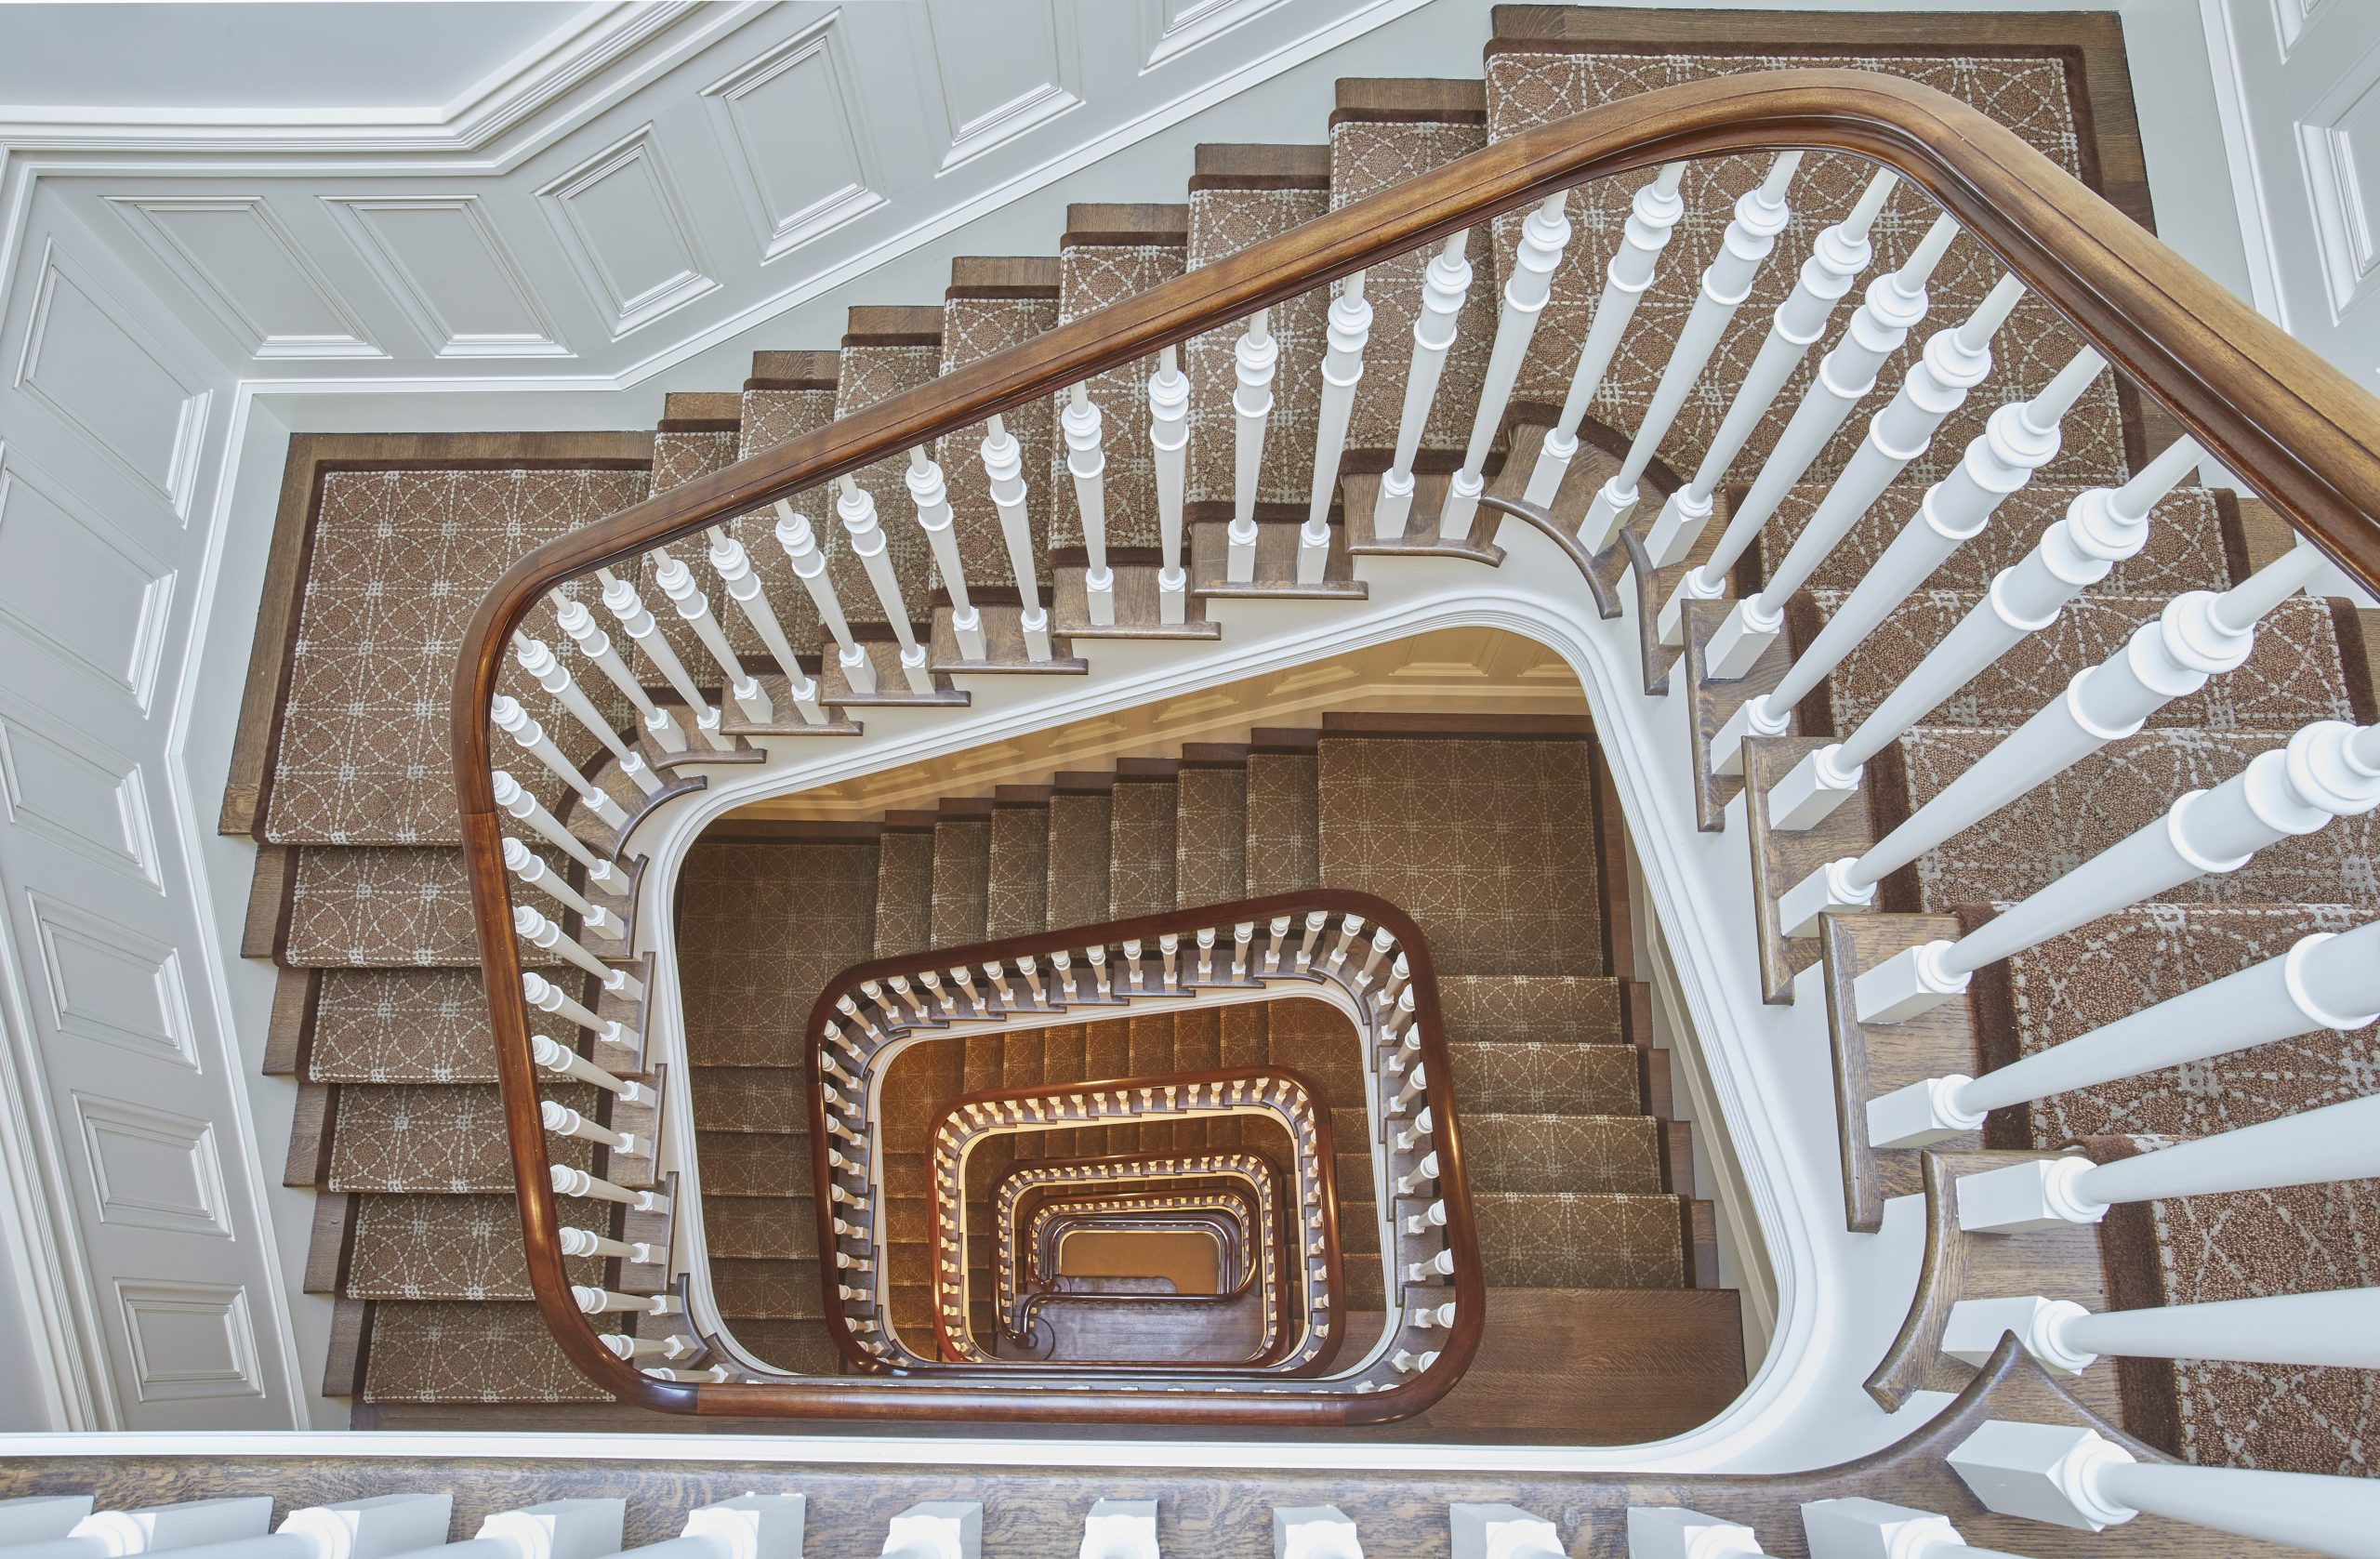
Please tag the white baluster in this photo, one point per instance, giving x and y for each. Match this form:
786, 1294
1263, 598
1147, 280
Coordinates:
1670, 1532
2332, 1328
1544, 233
1004, 471
1279, 944
734, 566
1954, 362
568, 1181
1445, 283
563, 1121
1168, 438
574, 619
538, 660
1343, 368
2328, 770
523, 863
2325, 981
1841, 253
2335, 1142
1313, 1532
593, 1301
188, 1526
1871, 1530
1652, 218
1411, 1137
1894, 305
2074, 1477
1087, 463
556, 1057
936, 1529
856, 508
1430, 1317
1501, 1532
809, 563
1760, 216
677, 581
638, 1350
621, 600
931, 497
536, 929
546, 997
523, 807
1432, 1217
1314, 921
1120, 1529
1251, 403
2020, 438
587, 1242
514, 721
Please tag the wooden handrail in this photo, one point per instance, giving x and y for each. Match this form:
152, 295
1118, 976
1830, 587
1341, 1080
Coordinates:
2304, 435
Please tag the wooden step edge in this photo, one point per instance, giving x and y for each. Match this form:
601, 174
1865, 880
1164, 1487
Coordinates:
1082, 782
1240, 166
350, 1353
1214, 755
1022, 795
310, 1126
1406, 100
1654, 1084
1284, 739
332, 1245
911, 821
893, 324
1094, 224
1146, 769
964, 809
1005, 276
1698, 1234
272, 892
1677, 1157
1521, 728
289, 1033
1636, 1014
795, 370
701, 411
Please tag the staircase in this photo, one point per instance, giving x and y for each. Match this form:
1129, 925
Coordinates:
1863, 630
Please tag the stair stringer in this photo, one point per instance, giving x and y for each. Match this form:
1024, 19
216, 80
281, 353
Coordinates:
1839, 1296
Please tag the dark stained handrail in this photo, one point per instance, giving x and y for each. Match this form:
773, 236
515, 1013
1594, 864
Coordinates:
2295, 428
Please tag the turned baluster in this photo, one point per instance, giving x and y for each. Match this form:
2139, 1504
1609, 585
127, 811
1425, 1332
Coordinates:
1347, 930
1168, 946
1251, 403
850, 1009
546, 997
523, 807
1760, 216
1432, 1217
1415, 1087
1032, 974
1242, 935
899, 985
1393, 993
931, 498
1445, 283
1277, 952
809, 562
932, 982
587, 1242
1063, 966
856, 508
1087, 463
677, 581
523, 863
563, 1121
1422, 1174
567, 1181
514, 721
1004, 471
559, 1057
1652, 218
2331, 1328
532, 928
1432, 1269
621, 600
734, 566
604, 1302
1545, 231
998, 973
1343, 368
574, 619
1207, 953
1133, 959
1382, 940
1409, 1137
1314, 921
538, 660
1098, 957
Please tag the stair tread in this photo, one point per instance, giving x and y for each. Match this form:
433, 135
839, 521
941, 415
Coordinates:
754, 1099
478, 1352
381, 906
1142, 854
1534, 1077
740, 1164
1109, 253
762, 1229
447, 1247
801, 1347
1081, 837
904, 892
1541, 1009
1223, 221
1211, 836
961, 881
1017, 872
1579, 1240
746, 993
782, 1290
401, 1025
1563, 1153
443, 1138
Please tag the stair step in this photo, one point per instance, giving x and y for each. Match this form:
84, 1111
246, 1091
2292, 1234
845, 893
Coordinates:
477, 1354
961, 880
753, 1228
803, 1347
1542, 1009
905, 892
1017, 869
758, 1100
447, 1139
382, 906
1110, 253
765, 1289
401, 1025
747, 997
1563, 1153
991, 304
1211, 837
1198, 1040
1141, 858
738, 1164
1571, 1240
1537, 1077
445, 1247
1081, 837
1284, 824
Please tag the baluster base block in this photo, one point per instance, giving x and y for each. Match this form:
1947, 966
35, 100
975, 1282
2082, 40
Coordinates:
1870, 1061
892, 681
1780, 859
1276, 564
1004, 646
788, 721
1137, 612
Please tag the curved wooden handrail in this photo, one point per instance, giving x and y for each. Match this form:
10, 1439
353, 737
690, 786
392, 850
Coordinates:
2304, 435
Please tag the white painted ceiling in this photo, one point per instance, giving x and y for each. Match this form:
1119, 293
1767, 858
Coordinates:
324, 61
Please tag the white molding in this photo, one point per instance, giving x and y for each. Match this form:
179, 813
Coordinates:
2248, 197
356, 215
1059, 92
148, 216
584, 245
781, 230
136, 679
178, 1307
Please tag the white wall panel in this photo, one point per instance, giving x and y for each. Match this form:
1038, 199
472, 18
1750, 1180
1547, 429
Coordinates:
790, 127
452, 274
70, 586
1000, 68
246, 269
189, 1341
127, 398
624, 226
74, 793
106, 983
152, 1168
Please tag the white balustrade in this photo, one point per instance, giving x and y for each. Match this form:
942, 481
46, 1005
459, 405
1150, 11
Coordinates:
1422, 1174
546, 997
1119, 1529
1169, 443
1545, 232
936, 1529
1432, 1269
1858, 1528
2328, 770
563, 1121
931, 496
1501, 1532
516, 802
856, 508
587, 1242
592, 1300
2326, 980
1760, 216
809, 563
1253, 359
217, 1526
1895, 304
1412, 1136
557, 1057
742, 582
523, 863
2075, 1478
621, 600
2337, 1141
1087, 464
1313, 1532
540, 661
568, 1181
676, 581
2019, 439
1432, 1217
574, 619
1841, 253
1004, 472
2333, 1328
532, 928
1671, 1532
1445, 283
514, 721
1349, 329
1954, 362
1652, 217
